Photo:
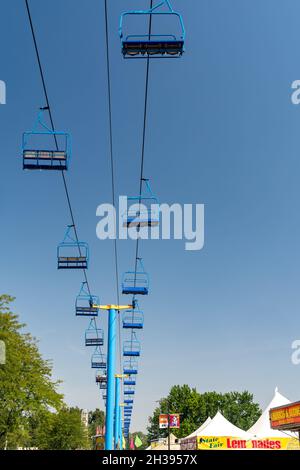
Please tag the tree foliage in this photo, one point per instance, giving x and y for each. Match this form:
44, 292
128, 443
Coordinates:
195, 408
32, 412
96, 418
27, 387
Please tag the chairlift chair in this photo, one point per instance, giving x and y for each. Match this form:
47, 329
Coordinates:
98, 360
86, 304
101, 377
128, 401
36, 155
131, 349
151, 45
129, 382
136, 282
94, 336
133, 319
143, 210
130, 367
72, 254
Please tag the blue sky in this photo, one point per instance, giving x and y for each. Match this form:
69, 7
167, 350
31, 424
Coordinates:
222, 131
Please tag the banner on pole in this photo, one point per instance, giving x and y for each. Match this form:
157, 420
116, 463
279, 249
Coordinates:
174, 421
163, 421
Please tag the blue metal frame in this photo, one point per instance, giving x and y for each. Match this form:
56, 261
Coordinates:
94, 336
72, 262
130, 367
166, 41
98, 359
136, 282
84, 304
129, 382
145, 211
42, 159
133, 319
131, 348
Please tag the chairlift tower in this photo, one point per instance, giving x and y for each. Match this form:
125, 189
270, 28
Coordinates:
111, 366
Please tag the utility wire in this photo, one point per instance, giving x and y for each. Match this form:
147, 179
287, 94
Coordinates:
112, 166
144, 135
133, 335
57, 148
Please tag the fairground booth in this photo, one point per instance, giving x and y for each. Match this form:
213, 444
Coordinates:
286, 418
219, 434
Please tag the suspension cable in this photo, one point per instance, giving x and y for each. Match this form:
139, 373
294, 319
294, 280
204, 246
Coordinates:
112, 167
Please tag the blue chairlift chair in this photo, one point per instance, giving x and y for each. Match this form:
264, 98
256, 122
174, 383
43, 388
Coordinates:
94, 336
39, 153
130, 367
136, 282
72, 254
85, 303
128, 401
128, 408
149, 45
129, 382
98, 359
131, 349
143, 210
133, 319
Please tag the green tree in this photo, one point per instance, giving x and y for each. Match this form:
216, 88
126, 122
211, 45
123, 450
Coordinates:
96, 418
67, 431
195, 408
26, 381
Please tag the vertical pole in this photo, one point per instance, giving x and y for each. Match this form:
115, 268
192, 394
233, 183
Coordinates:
111, 365
120, 428
117, 414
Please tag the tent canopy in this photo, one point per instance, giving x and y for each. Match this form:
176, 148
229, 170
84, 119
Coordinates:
262, 427
200, 429
220, 426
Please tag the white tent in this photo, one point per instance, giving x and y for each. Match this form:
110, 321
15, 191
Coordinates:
199, 430
220, 426
262, 428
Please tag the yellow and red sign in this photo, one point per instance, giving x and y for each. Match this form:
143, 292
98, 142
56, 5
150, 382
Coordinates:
286, 417
163, 421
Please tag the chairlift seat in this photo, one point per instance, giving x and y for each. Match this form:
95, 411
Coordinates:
98, 363
45, 160
140, 221
129, 382
128, 371
135, 290
86, 311
72, 262
131, 353
150, 47
94, 342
